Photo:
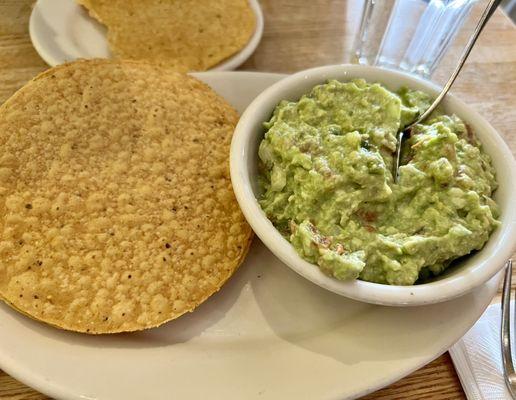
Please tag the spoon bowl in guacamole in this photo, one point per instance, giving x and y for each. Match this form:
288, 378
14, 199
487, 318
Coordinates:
311, 166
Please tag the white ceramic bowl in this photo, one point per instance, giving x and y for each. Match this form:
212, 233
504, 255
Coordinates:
469, 274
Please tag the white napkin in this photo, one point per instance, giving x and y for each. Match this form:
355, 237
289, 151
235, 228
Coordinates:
478, 360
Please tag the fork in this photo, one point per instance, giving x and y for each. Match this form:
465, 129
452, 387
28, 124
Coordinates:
508, 367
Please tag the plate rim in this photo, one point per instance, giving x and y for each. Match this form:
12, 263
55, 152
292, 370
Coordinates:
56, 391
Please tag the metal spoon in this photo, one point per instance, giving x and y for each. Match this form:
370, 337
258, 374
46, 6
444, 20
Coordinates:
491, 7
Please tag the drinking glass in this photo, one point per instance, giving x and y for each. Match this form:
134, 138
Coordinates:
411, 35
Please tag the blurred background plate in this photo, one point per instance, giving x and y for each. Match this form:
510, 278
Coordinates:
62, 30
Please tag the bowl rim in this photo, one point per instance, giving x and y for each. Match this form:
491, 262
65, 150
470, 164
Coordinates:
446, 288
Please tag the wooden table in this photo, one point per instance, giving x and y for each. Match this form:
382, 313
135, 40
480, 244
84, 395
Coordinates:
300, 34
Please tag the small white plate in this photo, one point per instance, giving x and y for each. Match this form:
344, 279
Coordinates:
62, 30
268, 334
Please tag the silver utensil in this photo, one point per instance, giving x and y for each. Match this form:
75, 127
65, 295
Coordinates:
508, 367
491, 7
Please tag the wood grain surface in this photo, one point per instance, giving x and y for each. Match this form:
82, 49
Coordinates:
300, 34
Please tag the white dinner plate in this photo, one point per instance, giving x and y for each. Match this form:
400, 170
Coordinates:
268, 334
62, 30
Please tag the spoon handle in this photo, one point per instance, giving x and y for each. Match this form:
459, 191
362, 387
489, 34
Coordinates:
491, 7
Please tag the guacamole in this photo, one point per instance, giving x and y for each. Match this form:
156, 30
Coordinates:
327, 186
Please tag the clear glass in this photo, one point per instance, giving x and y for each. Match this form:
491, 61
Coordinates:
411, 35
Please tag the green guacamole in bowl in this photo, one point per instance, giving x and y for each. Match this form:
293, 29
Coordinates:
325, 172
